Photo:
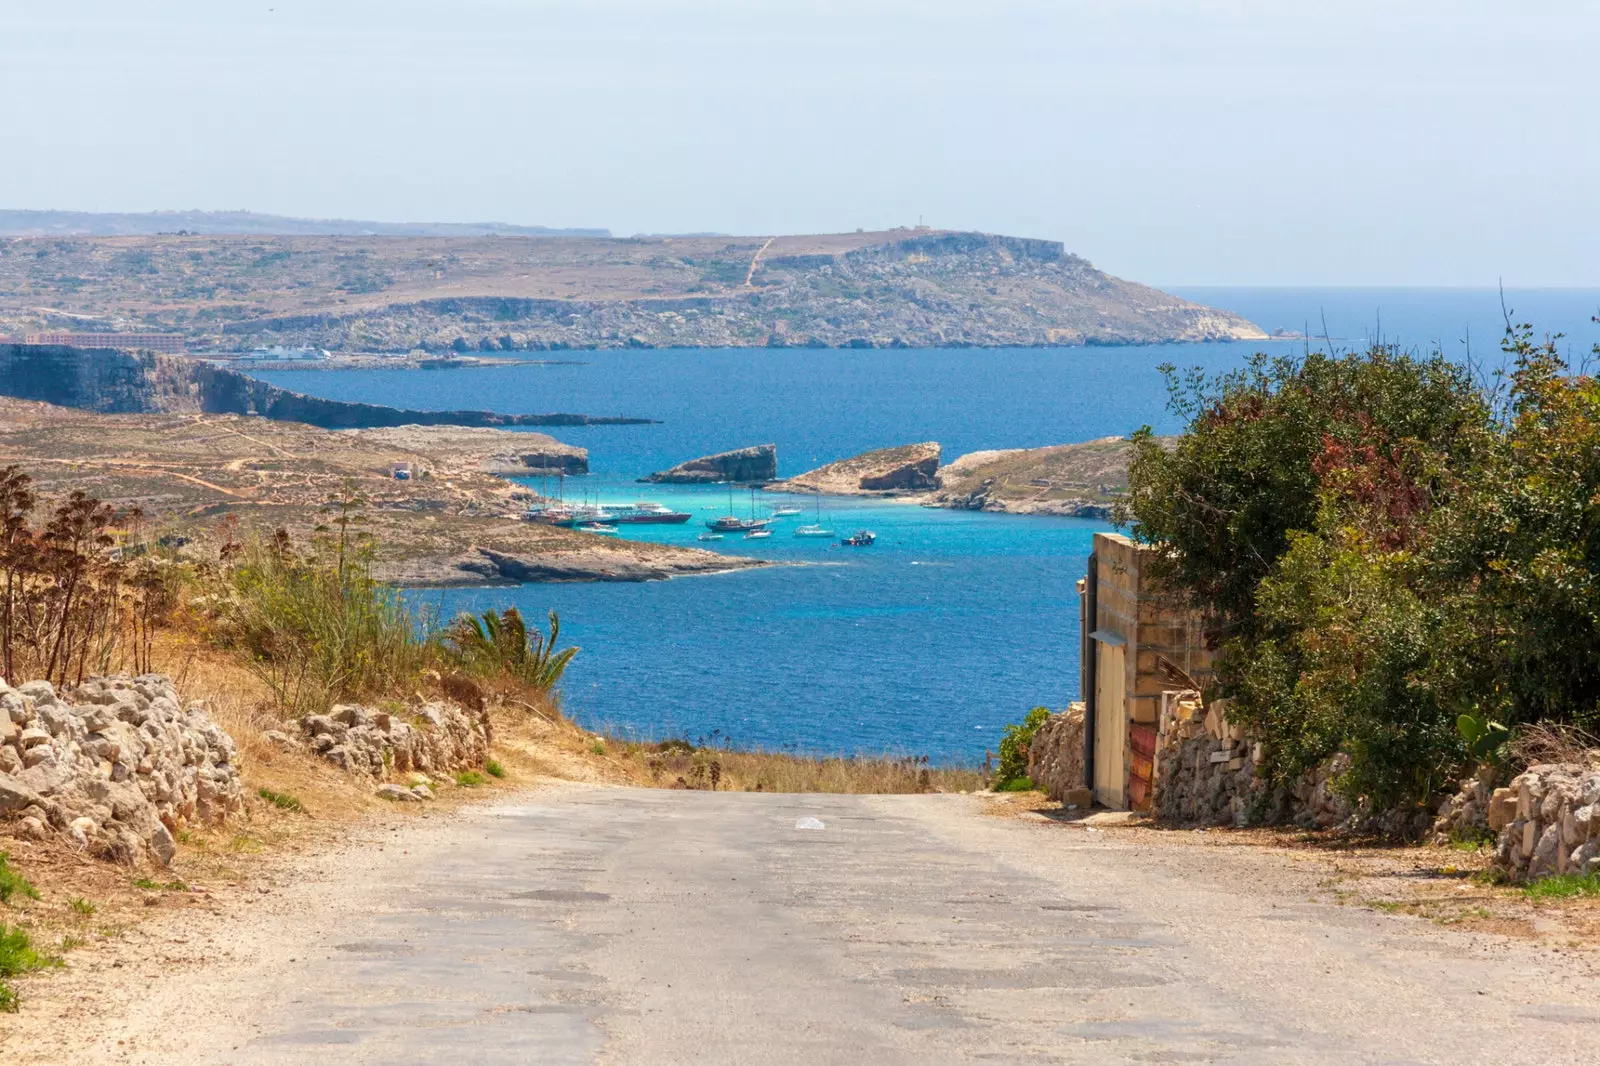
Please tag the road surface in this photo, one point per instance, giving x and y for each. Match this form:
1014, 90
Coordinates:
605, 925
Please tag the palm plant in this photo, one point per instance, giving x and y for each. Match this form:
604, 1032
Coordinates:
504, 644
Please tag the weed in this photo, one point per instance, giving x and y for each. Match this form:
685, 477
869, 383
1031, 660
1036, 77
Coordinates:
1563, 886
494, 768
17, 956
1015, 784
69, 942
81, 906
598, 747
284, 801
1388, 906
470, 779
13, 883
159, 886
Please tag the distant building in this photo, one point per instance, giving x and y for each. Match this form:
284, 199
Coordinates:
156, 342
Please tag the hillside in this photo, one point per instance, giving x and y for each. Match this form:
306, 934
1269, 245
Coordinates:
15, 223
1083, 480
900, 288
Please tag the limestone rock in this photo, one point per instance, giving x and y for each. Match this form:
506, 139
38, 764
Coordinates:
756, 464
884, 472
398, 793
117, 764
1055, 757
440, 737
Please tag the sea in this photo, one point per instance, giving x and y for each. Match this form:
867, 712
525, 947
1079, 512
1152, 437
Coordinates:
954, 623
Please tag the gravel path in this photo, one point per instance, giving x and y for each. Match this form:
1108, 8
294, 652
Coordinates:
589, 924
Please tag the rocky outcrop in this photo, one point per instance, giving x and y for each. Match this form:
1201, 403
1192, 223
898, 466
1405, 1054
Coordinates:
753, 465
1547, 821
1072, 480
117, 765
230, 392
117, 382
909, 468
612, 561
1055, 757
455, 449
437, 737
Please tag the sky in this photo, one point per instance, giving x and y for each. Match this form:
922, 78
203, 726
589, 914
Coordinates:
1199, 143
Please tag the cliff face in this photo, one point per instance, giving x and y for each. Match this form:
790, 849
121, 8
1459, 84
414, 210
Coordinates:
749, 465
118, 382
97, 379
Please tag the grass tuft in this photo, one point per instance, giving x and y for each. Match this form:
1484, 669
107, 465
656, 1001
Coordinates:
470, 779
1564, 886
159, 886
284, 801
494, 768
17, 956
13, 883
81, 906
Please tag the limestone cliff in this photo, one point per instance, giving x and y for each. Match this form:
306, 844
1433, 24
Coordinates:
908, 468
745, 465
118, 382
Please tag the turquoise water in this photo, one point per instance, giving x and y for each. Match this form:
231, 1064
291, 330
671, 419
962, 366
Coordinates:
953, 623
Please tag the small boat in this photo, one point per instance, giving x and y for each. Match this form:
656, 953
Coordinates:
735, 524
862, 538
711, 536
598, 527
813, 531
758, 534
785, 512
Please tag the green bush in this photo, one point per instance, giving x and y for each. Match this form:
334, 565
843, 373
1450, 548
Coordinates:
284, 801
1011, 775
1398, 561
470, 779
494, 768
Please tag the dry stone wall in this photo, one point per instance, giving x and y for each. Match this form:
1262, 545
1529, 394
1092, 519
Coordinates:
1207, 773
1547, 821
432, 738
117, 765
1055, 757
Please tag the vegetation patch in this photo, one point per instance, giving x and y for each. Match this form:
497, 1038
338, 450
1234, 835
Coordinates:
17, 956
281, 800
1564, 886
494, 768
470, 779
13, 883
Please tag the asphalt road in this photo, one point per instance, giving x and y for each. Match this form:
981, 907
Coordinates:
607, 925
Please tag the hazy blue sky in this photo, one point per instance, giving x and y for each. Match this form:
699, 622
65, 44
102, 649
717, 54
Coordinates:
1202, 143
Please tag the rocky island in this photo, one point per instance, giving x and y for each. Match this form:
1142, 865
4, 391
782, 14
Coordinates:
448, 522
516, 292
909, 468
1075, 480
746, 466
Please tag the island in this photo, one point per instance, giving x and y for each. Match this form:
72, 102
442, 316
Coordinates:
909, 468
743, 466
486, 293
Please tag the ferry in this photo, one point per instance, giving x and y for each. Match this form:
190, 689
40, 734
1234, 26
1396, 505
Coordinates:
647, 513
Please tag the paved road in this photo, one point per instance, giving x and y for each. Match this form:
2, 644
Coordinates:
619, 926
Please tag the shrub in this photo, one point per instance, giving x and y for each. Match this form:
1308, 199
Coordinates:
1399, 562
1011, 775
319, 628
470, 779
494, 768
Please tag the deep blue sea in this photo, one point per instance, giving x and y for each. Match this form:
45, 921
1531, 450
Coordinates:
954, 623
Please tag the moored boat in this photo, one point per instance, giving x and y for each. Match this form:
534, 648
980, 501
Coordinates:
758, 534
861, 538
813, 531
647, 514
785, 512
734, 524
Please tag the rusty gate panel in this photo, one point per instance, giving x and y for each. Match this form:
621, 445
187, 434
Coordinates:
1141, 765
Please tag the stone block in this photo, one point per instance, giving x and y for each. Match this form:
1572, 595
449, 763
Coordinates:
1502, 809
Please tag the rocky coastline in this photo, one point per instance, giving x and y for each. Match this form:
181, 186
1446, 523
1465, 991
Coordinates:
743, 466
